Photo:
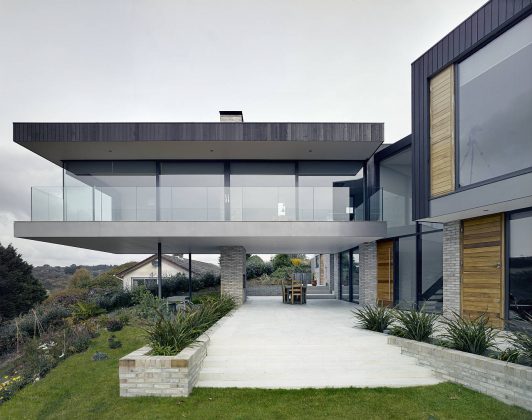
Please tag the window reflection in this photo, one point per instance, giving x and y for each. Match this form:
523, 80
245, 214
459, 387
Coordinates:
495, 107
520, 265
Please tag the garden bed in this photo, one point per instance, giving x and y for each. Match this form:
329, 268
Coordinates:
508, 382
143, 374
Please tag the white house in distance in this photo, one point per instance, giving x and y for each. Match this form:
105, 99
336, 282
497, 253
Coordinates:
145, 272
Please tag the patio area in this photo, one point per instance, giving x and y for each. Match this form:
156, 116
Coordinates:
267, 344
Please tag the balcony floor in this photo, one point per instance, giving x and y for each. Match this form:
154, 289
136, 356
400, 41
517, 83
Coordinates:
204, 237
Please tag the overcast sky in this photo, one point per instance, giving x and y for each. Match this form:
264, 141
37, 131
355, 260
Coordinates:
154, 60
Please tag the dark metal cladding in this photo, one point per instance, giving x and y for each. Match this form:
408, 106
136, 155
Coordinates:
96, 132
480, 28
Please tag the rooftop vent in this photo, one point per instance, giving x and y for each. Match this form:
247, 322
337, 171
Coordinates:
231, 116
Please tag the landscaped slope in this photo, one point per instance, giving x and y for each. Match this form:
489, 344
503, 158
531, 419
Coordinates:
82, 388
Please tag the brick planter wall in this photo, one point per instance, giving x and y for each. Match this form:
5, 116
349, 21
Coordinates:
164, 376
507, 382
264, 290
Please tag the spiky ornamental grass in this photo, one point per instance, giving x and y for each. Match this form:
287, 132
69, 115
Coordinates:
469, 335
414, 324
168, 335
374, 318
522, 344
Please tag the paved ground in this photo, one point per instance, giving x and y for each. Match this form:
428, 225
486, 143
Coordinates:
267, 344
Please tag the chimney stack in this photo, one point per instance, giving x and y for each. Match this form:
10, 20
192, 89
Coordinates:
231, 116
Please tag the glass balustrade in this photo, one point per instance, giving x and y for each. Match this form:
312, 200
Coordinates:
86, 203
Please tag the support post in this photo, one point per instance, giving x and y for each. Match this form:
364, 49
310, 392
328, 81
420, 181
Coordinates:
190, 276
233, 272
159, 271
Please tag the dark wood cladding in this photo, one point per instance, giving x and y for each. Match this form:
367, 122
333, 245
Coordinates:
476, 31
105, 132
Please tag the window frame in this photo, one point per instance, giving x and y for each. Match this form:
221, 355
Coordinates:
456, 64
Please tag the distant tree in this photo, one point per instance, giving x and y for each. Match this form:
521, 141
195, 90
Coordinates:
281, 260
108, 280
255, 267
81, 279
71, 269
19, 290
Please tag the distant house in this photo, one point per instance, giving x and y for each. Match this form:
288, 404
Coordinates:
145, 272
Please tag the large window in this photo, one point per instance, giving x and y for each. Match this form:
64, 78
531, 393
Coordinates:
192, 190
495, 107
110, 190
395, 180
431, 294
263, 191
406, 287
349, 275
205, 190
345, 275
520, 265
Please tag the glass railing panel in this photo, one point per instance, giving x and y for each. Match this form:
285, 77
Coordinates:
79, 203
192, 203
47, 203
375, 206
87, 203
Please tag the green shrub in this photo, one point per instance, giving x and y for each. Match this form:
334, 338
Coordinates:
168, 335
522, 342
114, 343
148, 307
81, 279
414, 324
110, 299
374, 318
99, 356
283, 273
85, 310
67, 297
469, 335
509, 355
113, 325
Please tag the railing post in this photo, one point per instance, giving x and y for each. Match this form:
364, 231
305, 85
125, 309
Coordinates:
159, 271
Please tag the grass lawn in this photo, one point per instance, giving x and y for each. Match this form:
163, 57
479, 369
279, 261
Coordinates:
82, 389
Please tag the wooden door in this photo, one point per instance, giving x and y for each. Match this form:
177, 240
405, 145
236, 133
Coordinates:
483, 267
385, 277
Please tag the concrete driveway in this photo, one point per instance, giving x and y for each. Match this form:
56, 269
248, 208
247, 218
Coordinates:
267, 344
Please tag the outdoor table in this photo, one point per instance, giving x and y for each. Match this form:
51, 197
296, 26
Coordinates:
286, 293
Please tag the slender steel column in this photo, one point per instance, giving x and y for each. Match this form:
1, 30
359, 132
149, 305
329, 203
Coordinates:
159, 271
190, 276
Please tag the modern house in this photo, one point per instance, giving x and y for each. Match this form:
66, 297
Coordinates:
441, 219
146, 271
230, 187
459, 221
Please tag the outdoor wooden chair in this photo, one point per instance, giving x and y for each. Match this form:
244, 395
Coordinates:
296, 292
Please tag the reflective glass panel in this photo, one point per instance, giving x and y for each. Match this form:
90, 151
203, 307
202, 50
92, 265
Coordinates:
520, 264
495, 107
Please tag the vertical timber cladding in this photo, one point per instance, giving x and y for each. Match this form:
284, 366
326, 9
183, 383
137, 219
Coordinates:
385, 272
442, 132
483, 267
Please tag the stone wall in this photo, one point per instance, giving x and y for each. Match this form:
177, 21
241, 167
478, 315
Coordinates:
368, 273
507, 382
233, 271
451, 268
171, 376
164, 376
263, 290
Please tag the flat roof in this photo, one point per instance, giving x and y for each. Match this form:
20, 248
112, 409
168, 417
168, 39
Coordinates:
58, 142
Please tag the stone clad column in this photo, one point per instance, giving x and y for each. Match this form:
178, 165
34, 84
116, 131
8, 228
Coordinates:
233, 272
451, 268
368, 273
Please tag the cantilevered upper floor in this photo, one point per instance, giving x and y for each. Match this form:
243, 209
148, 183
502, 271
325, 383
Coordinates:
59, 142
204, 185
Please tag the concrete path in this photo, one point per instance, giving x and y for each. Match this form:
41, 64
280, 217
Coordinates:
267, 344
